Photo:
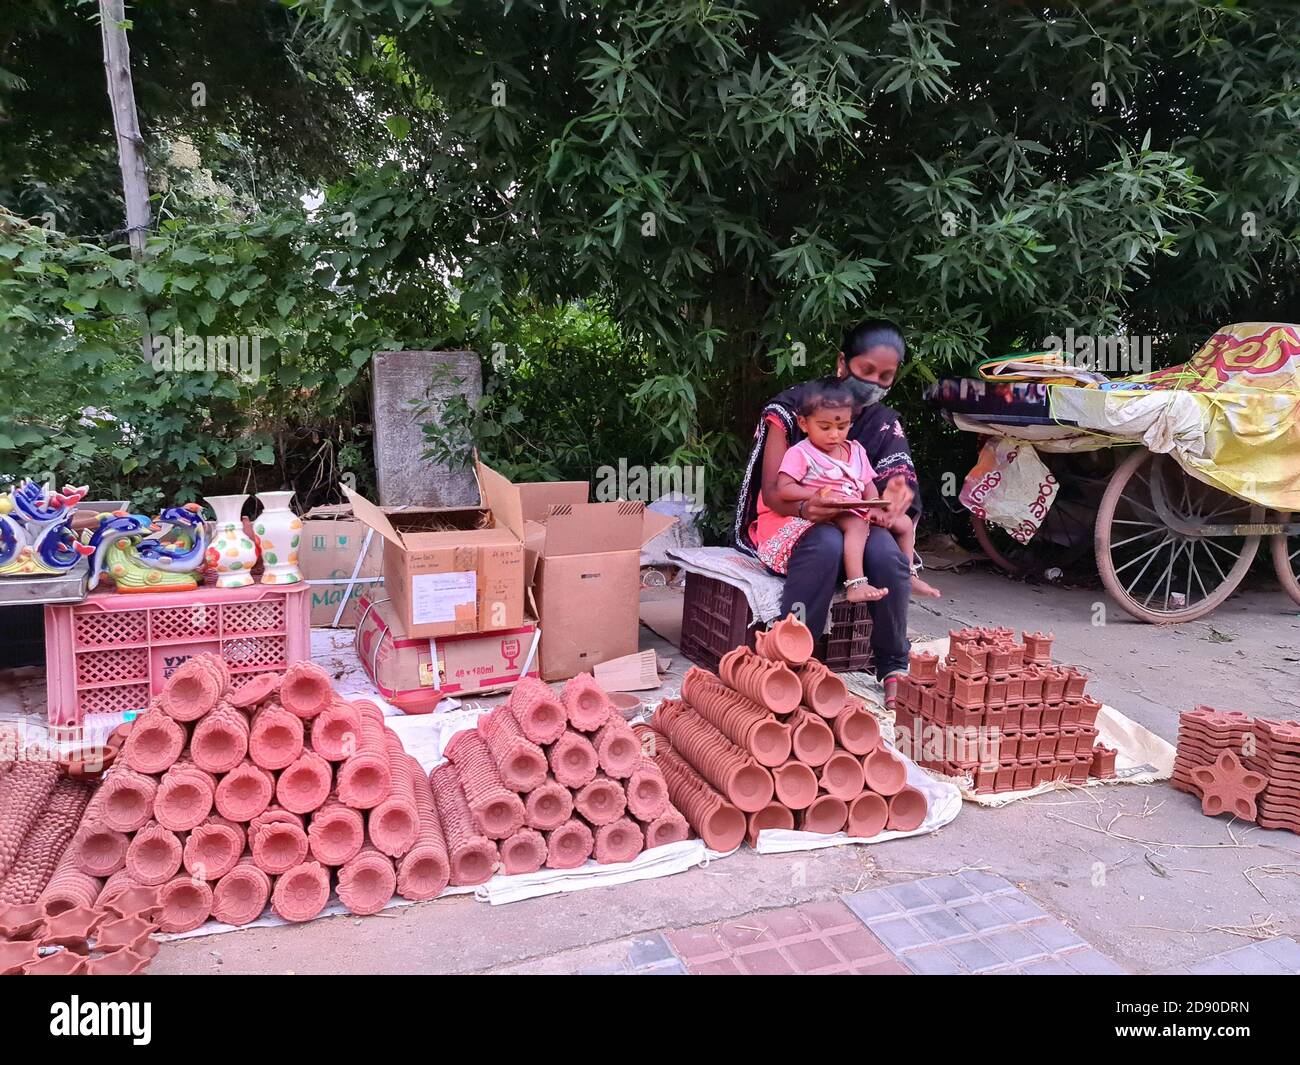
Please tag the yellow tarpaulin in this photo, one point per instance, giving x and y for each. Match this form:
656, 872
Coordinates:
1230, 415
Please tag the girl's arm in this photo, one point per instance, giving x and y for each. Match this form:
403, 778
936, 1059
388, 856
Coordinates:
788, 490
803, 507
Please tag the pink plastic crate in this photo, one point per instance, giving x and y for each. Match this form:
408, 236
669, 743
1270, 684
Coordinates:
112, 652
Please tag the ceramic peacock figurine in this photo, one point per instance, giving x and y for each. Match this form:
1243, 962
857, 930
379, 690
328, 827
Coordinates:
140, 563
36, 537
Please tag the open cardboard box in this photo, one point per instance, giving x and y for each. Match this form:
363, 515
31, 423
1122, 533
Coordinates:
451, 570
583, 563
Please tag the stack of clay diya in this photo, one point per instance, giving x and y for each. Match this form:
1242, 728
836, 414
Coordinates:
998, 711
776, 741
230, 796
109, 938
550, 781
1239, 765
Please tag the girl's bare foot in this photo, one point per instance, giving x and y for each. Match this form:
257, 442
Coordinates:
864, 593
919, 587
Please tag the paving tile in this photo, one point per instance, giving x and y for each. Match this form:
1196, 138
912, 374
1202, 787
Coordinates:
650, 950
869, 905
940, 925
981, 917
899, 934
934, 961
1252, 962
951, 889
1053, 934
1049, 966
817, 937
884, 967
986, 883
1014, 945
1092, 962
1268, 957
676, 968
1285, 950
1018, 906
976, 955
910, 896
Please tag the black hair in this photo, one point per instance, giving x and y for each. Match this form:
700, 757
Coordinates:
823, 394
870, 333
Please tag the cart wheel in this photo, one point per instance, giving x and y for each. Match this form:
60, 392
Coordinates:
1153, 560
1286, 561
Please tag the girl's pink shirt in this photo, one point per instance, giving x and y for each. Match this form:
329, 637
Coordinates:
811, 467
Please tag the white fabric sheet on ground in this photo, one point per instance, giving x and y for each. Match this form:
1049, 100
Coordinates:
661, 861
1141, 756
944, 802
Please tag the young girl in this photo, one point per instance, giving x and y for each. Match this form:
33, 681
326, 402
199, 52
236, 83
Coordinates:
827, 463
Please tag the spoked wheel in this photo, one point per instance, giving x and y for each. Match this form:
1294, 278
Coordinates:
1165, 547
1286, 560
1067, 532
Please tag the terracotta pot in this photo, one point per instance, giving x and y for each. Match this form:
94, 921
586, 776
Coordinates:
774, 815
884, 771
969, 660
868, 814
724, 829
857, 730
842, 776
812, 739
827, 815
585, 703
668, 827
923, 667
907, 810
1038, 647
538, 711
795, 784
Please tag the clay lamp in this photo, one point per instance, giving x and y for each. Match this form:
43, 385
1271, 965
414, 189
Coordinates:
190, 692
256, 690
337, 833
367, 882
72, 927
573, 760
154, 856
276, 737
907, 810
279, 846
155, 742
724, 828
626, 703
774, 816
220, 741
770, 742
943, 682
424, 871
585, 703
1226, 786
1075, 682
669, 827
524, 852
600, 802
812, 739
968, 692
969, 660
999, 659
788, 640
242, 894
540, 715
126, 800
619, 841
501, 817
60, 963
306, 690
749, 787
727, 664
301, 893
244, 792
823, 691
868, 814
885, 773
842, 776
304, 785
212, 850
119, 963
125, 932
569, 846
17, 953
1038, 647
186, 904
100, 851
549, 806
183, 801
779, 690
21, 921
139, 901
334, 731
795, 785
617, 750
826, 816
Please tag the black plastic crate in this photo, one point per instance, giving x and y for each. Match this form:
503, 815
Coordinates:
715, 619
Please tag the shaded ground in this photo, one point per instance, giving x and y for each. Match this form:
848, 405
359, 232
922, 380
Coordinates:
1136, 870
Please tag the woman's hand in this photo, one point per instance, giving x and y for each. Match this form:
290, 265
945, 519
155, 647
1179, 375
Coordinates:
816, 510
899, 495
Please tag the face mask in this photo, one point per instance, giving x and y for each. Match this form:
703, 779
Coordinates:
865, 393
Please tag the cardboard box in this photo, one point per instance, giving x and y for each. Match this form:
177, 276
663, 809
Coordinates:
450, 571
416, 674
342, 558
583, 563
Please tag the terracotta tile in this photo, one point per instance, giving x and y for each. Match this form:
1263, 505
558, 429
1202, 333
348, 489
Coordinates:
783, 923
766, 962
742, 932
884, 967
725, 967
694, 943
813, 955
829, 914
858, 945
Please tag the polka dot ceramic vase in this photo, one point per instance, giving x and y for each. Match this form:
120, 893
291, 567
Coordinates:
232, 554
279, 531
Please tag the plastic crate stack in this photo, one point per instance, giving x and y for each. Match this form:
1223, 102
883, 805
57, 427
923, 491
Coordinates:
226, 799
998, 711
550, 781
1239, 765
775, 741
